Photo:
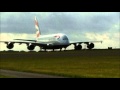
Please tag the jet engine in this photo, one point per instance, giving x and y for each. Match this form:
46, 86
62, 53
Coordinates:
31, 47
78, 47
10, 45
90, 46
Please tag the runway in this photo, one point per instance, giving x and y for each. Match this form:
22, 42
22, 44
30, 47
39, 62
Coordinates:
16, 74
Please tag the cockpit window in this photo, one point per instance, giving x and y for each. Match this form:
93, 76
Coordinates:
65, 38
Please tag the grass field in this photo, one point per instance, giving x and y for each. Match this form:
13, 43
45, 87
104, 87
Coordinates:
2, 76
78, 64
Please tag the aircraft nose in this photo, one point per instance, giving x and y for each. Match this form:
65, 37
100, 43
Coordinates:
66, 41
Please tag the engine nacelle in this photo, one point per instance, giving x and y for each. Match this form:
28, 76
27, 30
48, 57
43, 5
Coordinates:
31, 47
10, 45
90, 46
78, 47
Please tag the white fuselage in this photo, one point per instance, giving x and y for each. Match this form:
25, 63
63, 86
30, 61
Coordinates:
54, 39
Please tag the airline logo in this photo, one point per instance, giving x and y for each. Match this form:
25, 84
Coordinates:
57, 36
37, 34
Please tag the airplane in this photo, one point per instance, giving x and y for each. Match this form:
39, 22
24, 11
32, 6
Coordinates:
52, 41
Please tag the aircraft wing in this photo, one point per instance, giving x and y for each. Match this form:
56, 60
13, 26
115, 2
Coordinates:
24, 41
85, 42
33, 42
27, 42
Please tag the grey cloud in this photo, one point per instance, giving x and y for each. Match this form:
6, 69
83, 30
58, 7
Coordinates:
16, 23
53, 22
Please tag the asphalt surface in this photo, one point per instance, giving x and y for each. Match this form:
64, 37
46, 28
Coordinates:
17, 74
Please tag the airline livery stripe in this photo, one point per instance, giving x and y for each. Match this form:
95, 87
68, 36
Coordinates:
37, 27
36, 22
38, 33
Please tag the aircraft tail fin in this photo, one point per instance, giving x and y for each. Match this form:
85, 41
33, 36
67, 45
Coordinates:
38, 33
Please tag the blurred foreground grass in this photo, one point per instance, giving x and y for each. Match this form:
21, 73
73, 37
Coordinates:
3, 76
79, 64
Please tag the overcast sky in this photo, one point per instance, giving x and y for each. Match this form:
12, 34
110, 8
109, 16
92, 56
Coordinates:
79, 26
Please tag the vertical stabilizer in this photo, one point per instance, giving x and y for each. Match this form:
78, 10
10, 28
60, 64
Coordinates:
38, 33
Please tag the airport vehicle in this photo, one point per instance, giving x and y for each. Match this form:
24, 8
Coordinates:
52, 41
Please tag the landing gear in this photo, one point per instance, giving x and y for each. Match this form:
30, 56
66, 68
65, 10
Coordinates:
45, 49
40, 49
60, 49
64, 49
53, 50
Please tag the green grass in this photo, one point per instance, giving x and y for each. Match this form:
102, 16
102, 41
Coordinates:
3, 76
79, 64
